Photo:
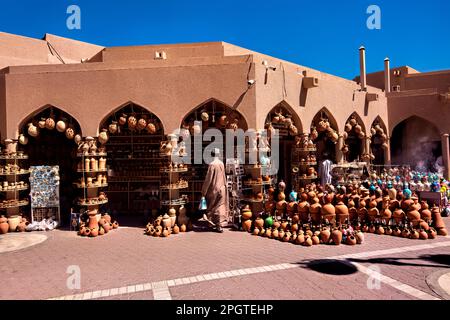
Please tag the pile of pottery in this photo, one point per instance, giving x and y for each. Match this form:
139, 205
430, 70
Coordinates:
13, 224
323, 126
294, 231
285, 120
169, 223
97, 227
349, 211
50, 123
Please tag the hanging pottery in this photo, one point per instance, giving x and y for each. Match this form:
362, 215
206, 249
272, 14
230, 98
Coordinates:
77, 139
33, 130
49, 124
23, 140
132, 122
358, 129
223, 120
334, 136
205, 116
41, 123
348, 127
373, 131
113, 127
70, 133
141, 124
385, 146
123, 119
61, 126
293, 130
322, 126
103, 136
361, 135
151, 128
353, 121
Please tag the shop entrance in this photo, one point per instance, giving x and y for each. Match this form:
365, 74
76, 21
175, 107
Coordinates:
133, 163
354, 138
379, 141
54, 146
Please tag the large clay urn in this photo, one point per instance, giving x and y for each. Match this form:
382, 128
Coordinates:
336, 236
303, 210
325, 235
425, 213
315, 210
406, 204
4, 226
413, 216
437, 218
342, 212
362, 211
373, 211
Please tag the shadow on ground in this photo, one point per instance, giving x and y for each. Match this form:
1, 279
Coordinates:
438, 261
330, 266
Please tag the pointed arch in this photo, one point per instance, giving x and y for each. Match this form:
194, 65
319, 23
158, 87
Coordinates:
326, 114
358, 119
286, 109
46, 111
379, 121
130, 107
214, 107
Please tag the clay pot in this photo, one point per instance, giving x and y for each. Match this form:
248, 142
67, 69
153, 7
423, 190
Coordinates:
33, 130
359, 237
4, 226
61, 126
325, 235
300, 238
94, 232
432, 233
414, 235
166, 221
398, 215
183, 227
141, 124
294, 227
21, 227
87, 232
372, 229
132, 122
388, 231
336, 236
268, 233
379, 230
276, 224
413, 216
328, 212
23, 140
295, 218
259, 223
348, 127
396, 232
70, 133
275, 234
308, 241
442, 232
115, 225
165, 232
281, 234
358, 129
13, 222
423, 235
246, 225
315, 240
151, 128
437, 218
342, 212
123, 119
351, 240
284, 225
49, 124
287, 237
103, 137
406, 233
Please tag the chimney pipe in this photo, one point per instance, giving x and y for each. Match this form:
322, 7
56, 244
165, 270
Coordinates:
362, 68
387, 76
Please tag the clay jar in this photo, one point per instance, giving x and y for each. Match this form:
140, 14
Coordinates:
325, 235
437, 218
303, 210
246, 214
359, 237
342, 212
413, 216
373, 211
423, 235
351, 240
336, 236
246, 225
4, 226
328, 212
281, 206
398, 215
259, 223
425, 213
166, 221
300, 237
315, 210
362, 211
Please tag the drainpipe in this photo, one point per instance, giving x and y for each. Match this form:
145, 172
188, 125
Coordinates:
387, 76
362, 68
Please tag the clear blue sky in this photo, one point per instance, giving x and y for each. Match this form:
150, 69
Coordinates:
324, 35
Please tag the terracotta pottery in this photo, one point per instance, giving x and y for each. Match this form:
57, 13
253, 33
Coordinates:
406, 233
4, 226
351, 240
49, 124
348, 127
406, 204
300, 238
308, 241
61, 126
398, 215
276, 224
365, 228
13, 222
275, 234
437, 218
281, 234
396, 232
303, 210
379, 230
414, 234
94, 232
33, 130
115, 225
132, 122
388, 231
359, 237
87, 232
123, 119
413, 216
268, 233
259, 223
246, 225
151, 128
424, 225
294, 227
372, 228
328, 212
103, 136
315, 210
295, 218
183, 227
315, 240
166, 221
336, 236
432, 233
423, 235
165, 232
107, 217
284, 225
442, 232
342, 212
425, 213
21, 227
287, 237
352, 214
246, 214
325, 235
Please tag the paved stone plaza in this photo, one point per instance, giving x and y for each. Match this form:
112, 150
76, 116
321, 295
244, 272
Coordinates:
126, 264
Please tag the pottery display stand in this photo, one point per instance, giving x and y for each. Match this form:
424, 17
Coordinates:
300, 165
257, 185
92, 179
172, 184
234, 172
12, 187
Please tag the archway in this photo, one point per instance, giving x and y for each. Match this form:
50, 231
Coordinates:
355, 133
416, 142
283, 118
210, 114
379, 141
324, 134
49, 138
133, 163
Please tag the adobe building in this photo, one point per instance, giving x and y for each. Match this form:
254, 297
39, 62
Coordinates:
90, 87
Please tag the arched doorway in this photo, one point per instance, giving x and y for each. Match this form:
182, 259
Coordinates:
324, 134
133, 162
210, 114
355, 133
416, 142
283, 118
379, 141
53, 144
